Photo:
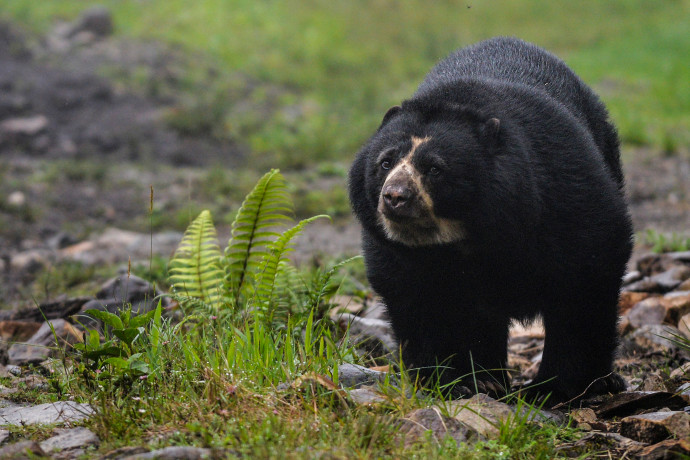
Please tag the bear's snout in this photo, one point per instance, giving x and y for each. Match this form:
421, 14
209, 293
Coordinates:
399, 201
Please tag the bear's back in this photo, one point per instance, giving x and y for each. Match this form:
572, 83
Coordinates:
513, 61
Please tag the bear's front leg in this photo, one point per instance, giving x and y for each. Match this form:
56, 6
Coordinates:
462, 355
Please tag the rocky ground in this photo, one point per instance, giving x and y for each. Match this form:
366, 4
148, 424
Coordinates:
78, 153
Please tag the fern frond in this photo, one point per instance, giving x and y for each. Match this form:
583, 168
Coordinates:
195, 269
270, 263
266, 207
321, 285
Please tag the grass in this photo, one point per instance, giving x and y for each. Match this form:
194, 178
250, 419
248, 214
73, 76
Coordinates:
316, 76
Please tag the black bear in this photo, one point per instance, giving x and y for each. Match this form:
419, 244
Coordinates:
495, 194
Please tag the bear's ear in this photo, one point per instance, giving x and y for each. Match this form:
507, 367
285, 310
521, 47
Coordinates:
492, 127
392, 111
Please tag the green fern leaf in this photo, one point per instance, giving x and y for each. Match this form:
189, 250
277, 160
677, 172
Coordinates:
277, 251
195, 269
267, 207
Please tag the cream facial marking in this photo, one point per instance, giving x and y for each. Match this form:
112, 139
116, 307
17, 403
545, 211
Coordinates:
428, 229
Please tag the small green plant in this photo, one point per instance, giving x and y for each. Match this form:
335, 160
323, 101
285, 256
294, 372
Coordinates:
661, 242
253, 272
119, 358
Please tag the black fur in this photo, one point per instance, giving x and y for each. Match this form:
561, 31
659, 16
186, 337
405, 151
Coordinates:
530, 165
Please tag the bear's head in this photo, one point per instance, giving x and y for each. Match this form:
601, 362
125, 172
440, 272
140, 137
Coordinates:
417, 180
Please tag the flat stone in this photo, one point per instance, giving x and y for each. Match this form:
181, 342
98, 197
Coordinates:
628, 299
631, 277
684, 325
70, 439
21, 450
174, 453
677, 305
672, 277
656, 337
57, 412
671, 448
366, 396
18, 330
28, 126
624, 404
42, 344
374, 335
615, 446
4, 434
481, 413
648, 311
656, 426
353, 375
416, 424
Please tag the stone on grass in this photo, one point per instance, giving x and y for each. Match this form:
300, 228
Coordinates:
67, 439
176, 453
57, 412
42, 344
22, 450
374, 335
353, 375
366, 396
418, 423
656, 426
656, 337
481, 413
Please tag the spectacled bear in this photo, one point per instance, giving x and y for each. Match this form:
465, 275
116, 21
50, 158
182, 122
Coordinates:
495, 194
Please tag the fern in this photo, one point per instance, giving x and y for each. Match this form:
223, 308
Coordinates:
195, 269
271, 264
267, 206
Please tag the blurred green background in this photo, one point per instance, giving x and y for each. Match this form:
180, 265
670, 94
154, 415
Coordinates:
330, 69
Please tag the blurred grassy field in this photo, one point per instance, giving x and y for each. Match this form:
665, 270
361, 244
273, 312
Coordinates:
346, 62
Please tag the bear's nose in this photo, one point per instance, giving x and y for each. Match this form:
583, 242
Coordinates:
395, 196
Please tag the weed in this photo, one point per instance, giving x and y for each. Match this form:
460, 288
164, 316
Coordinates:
661, 242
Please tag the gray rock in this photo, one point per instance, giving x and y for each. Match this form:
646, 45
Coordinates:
656, 426
14, 369
21, 450
631, 277
684, 390
366, 396
42, 344
174, 453
57, 412
4, 434
681, 256
648, 311
67, 439
29, 126
377, 310
481, 413
416, 424
615, 445
374, 335
656, 337
31, 261
354, 376
672, 277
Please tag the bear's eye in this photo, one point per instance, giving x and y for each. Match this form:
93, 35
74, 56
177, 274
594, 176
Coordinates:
434, 171
385, 164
